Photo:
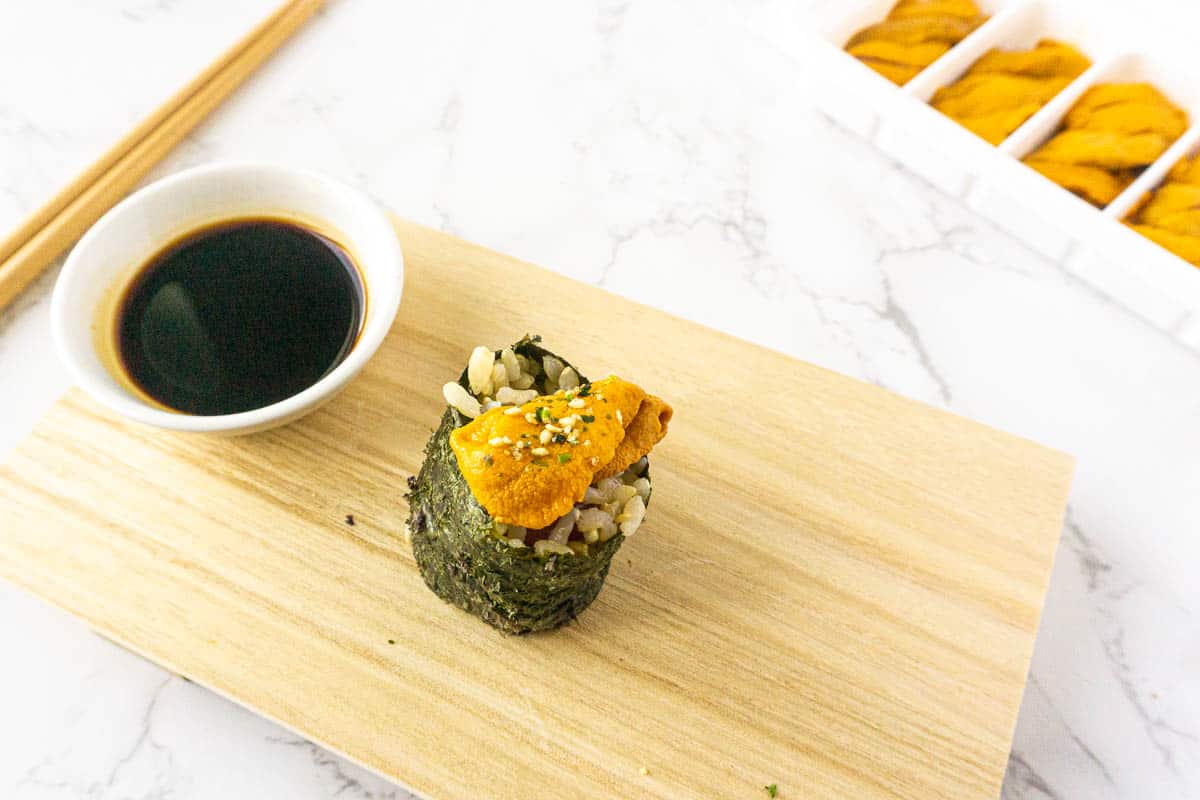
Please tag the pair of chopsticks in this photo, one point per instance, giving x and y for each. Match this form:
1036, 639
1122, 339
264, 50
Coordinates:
54, 227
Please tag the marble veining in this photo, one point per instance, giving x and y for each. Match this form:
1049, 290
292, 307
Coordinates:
664, 151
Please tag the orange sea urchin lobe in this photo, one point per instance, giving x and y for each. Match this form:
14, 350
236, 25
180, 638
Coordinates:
1112, 133
914, 35
1004, 88
528, 465
1171, 215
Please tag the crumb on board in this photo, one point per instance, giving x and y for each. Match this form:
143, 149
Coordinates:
644, 771
771, 789
350, 520
391, 641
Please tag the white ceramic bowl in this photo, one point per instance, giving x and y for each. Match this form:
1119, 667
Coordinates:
123, 240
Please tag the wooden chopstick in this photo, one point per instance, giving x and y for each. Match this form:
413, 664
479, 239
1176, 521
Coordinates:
56, 225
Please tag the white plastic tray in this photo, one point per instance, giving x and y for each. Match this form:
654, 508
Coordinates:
1091, 242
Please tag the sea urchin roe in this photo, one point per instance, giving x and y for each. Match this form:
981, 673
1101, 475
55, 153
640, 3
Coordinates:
914, 35
1004, 88
536, 485
644, 430
1112, 133
1170, 216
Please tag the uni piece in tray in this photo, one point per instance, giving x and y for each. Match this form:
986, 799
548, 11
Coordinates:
1170, 216
914, 35
530, 484
1004, 88
1112, 133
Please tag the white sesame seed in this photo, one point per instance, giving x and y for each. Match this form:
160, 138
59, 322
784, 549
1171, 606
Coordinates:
512, 412
620, 419
499, 441
573, 439
578, 402
531, 418
568, 421
553, 428
594, 461
544, 437
540, 451
587, 442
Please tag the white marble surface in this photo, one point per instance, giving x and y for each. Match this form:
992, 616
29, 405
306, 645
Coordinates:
661, 150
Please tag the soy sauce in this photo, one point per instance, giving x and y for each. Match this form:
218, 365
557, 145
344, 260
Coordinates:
238, 316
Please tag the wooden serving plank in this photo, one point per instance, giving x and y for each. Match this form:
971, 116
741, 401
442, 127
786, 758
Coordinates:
836, 589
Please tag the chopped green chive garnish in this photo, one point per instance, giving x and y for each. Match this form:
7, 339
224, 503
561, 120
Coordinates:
772, 789
559, 438
564, 458
585, 390
489, 460
588, 418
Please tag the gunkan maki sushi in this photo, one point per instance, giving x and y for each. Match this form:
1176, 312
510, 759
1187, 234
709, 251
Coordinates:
530, 484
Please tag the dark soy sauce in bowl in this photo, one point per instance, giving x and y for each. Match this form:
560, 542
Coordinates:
239, 315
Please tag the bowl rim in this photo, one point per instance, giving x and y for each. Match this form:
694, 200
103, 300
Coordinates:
384, 304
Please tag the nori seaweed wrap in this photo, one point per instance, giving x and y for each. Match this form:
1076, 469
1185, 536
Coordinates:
518, 579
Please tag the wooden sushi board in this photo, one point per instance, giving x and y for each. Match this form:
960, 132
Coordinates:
836, 589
